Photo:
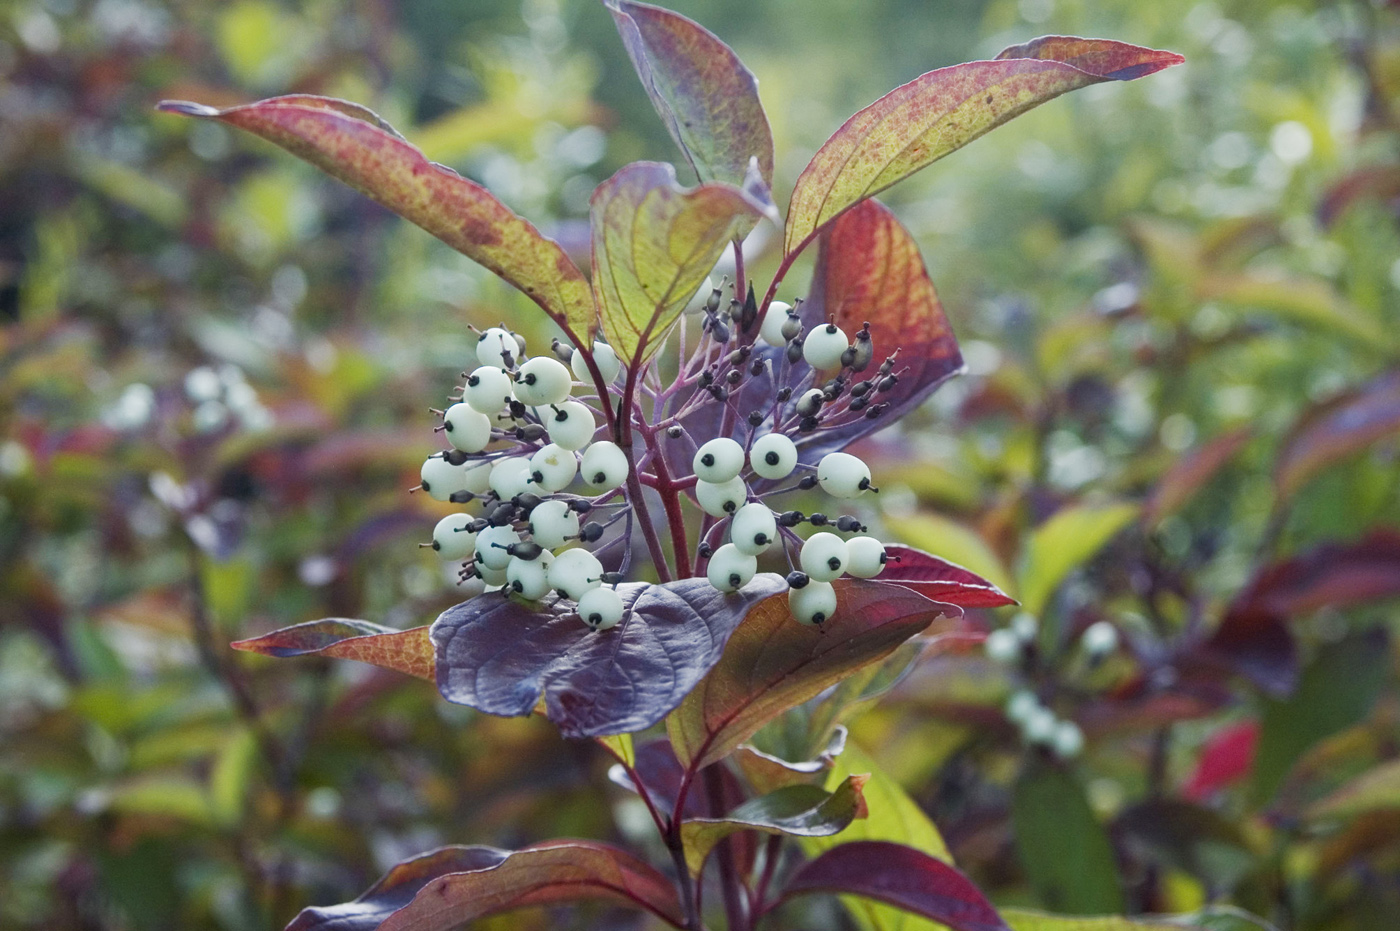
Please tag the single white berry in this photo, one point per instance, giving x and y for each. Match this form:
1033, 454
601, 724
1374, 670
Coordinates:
813, 603
477, 477
570, 425
1039, 726
529, 578
867, 557
600, 608
553, 523
491, 546
1100, 639
730, 568
511, 476
719, 499
495, 346
718, 461
487, 389
605, 357
823, 346
575, 572
842, 475
1021, 705
824, 556
553, 467
604, 465
1025, 626
451, 538
753, 529
773, 456
771, 330
543, 380
1003, 646
467, 429
1067, 741
441, 479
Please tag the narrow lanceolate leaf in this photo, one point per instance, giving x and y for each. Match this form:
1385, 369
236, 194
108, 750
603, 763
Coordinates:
500, 656
797, 811
653, 244
773, 663
450, 887
1377, 789
350, 143
940, 579
407, 651
1338, 430
1191, 473
943, 110
900, 876
705, 95
1070, 538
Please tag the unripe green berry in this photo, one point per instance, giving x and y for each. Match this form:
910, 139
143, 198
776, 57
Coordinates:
529, 578
823, 346
553, 468
575, 572
510, 477
441, 479
467, 428
553, 523
604, 356
570, 424
488, 390
495, 345
491, 546
771, 330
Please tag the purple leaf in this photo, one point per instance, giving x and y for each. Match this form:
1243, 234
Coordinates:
939, 579
401, 650
501, 657
1338, 430
900, 876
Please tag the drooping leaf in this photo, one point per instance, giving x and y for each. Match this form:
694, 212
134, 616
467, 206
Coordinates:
943, 110
407, 651
1377, 789
1064, 850
501, 657
797, 811
1338, 430
768, 773
653, 244
455, 885
1191, 472
1063, 543
940, 580
704, 94
351, 143
903, 877
773, 663
1225, 758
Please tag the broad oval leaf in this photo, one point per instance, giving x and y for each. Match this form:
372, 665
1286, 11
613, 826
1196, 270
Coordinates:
1070, 538
940, 579
1337, 430
407, 651
654, 242
350, 143
1064, 850
499, 656
943, 110
900, 876
773, 663
704, 94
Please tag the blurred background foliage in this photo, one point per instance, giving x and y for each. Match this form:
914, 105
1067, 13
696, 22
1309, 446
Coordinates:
1179, 300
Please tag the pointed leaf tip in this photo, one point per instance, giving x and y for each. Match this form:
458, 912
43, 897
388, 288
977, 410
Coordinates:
186, 108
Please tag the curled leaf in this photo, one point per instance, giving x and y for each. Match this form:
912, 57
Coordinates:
407, 651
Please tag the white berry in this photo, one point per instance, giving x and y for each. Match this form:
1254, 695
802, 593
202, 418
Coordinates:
451, 538
1025, 626
813, 603
491, 546
604, 465
719, 499
553, 523
574, 573
771, 329
730, 568
495, 579
1100, 639
842, 475
1003, 646
477, 477
823, 346
494, 346
605, 357
600, 608
570, 425
529, 578
510, 477
867, 557
553, 468
1021, 705
543, 380
441, 479
718, 461
1039, 726
824, 556
1067, 741
753, 529
487, 389
467, 429
773, 456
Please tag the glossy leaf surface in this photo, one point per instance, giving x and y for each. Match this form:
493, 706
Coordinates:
940, 580
1064, 850
407, 651
350, 143
500, 656
941, 111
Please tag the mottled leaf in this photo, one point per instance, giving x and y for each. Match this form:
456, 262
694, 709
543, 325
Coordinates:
1376, 789
1191, 472
705, 95
940, 580
1338, 430
1063, 543
943, 110
500, 656
903, 877
1226, 757
653, 244
350, 143
773, 663
1064, 850
401, 650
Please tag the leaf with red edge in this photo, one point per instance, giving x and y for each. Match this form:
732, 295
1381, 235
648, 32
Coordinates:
350, 143
1226, 757
1338, 430
939, 579
943, 110
654, 242
1191, 472
501, 657
900, 876
705, 95
450, 887
773, 663
407, 651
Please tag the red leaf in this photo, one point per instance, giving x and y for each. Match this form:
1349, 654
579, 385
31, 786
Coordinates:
1338, 430
407, 651
940, 579
1226, 758
1190, 474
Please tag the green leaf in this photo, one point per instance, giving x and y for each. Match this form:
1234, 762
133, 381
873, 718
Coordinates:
1066, 541
1377, 789
705, 95
408, 651
796, 810
231, 775
1214, 918
163, 796
955, 542
653, 244
1064, 850
621, 748
941, 111
1336, 691
350, 143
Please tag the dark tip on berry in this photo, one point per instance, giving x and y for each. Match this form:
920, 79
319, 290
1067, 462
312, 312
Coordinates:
761, 539
435, 545
455, 457
719, 393
706, 551
517, 408
734, 376
730, 507
593, 620
772, 458
517, 587
807, 425
819, 618
735, 580
797, 579
707, 460
473, 381
424, 486
599, 478
784, 394
834, 563
529, 378
611, 578
831, 329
